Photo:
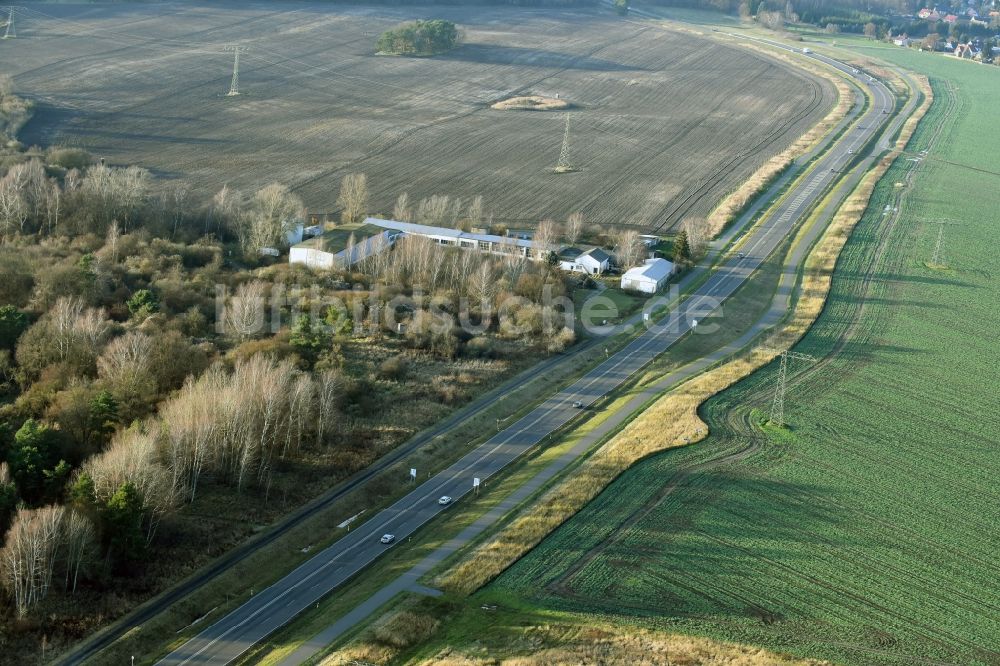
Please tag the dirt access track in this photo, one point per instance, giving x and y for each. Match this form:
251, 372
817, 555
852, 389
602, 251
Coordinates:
664, 123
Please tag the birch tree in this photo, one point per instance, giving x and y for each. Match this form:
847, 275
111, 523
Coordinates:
245, 311
629, 249
574, 228
328, 387
80, 546
28, 558
546, 238
353, 199
401, 211
125, 365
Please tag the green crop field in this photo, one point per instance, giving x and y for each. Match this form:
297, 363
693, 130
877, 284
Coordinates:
867, 533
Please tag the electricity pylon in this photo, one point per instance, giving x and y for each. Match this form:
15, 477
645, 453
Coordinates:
564, 165
778, 405
936, 259
234, 87
10, 31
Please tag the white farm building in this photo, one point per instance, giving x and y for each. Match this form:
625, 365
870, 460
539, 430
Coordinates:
333, 249
593, 261
648, 278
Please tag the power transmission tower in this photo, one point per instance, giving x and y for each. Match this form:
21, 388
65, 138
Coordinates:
564, 165
778, 405
936, 259
10, 31
234, 87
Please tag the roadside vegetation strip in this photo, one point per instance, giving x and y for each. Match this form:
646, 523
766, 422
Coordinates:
673, 420
522, 637
734, 204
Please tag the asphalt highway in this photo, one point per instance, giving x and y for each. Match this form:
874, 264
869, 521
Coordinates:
266, 611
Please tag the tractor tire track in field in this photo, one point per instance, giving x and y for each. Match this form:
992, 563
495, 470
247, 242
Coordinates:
317, 104
359, 164
680, 478
908, 615
675, 212
825, 368
67, 66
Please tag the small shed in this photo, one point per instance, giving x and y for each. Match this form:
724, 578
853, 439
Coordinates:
648, 278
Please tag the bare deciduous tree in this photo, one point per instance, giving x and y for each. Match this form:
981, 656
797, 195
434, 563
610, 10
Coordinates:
353, 199
574, 228
433, 211
697, 234
629, 249
274, 211
483, 286
115, 194
30, 180
125, 366
133, 457
13, 208
53, 206
69, 333
546, 238
225, 210
475, 213
111, 242
401, 211
80, 545
328, 386
28, 558
246, 310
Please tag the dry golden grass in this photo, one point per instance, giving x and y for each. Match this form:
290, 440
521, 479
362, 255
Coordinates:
402, 629
673, 419
733, 205
609, 646
531, 103
565, 644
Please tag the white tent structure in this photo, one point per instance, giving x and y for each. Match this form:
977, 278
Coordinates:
648, 278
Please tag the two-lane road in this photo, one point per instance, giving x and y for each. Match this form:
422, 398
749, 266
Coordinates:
235, 633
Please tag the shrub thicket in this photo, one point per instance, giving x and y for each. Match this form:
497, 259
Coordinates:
419, 38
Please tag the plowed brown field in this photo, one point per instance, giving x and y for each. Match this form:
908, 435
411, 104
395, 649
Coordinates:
664, 123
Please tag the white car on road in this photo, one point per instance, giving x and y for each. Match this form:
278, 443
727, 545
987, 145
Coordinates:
444, 500
388, 538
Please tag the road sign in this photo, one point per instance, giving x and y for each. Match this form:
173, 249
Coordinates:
413, 472
475, 482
